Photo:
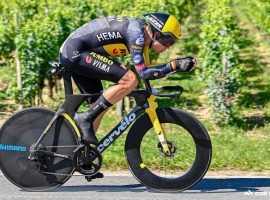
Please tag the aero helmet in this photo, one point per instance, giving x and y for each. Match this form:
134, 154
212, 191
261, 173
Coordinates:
167, 25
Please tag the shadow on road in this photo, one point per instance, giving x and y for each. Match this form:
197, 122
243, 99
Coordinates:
211, 185
103, 188
232, 184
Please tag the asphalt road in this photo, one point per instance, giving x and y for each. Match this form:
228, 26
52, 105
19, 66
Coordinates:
126, 187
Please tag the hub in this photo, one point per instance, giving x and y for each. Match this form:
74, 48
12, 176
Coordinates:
171, 148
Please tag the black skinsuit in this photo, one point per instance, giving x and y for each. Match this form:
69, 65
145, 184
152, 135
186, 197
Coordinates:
88, 52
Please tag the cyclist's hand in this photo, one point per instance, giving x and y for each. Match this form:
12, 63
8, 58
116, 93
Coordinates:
185, 64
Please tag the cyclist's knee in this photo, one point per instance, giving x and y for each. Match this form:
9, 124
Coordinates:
129, 80
133, 81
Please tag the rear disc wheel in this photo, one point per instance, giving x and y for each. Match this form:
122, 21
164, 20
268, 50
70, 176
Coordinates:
21, 131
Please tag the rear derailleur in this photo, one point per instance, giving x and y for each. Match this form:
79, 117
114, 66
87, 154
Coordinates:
37, 157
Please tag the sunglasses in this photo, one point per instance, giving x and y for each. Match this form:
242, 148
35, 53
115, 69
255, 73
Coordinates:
166, 40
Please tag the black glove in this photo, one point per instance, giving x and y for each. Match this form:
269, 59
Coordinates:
185, 64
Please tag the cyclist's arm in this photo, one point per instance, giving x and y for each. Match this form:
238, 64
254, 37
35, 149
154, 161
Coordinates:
140, 56
180, 65
156, 72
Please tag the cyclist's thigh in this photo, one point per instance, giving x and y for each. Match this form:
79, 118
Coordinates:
95, 66
102, 67
88, 86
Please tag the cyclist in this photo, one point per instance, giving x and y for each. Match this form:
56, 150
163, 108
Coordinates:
88, 53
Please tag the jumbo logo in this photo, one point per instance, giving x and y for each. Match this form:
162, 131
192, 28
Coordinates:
7, 147
88, 59
101, 58
119, 52
115, 51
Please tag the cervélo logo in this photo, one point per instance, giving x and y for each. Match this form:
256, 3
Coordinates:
120, 129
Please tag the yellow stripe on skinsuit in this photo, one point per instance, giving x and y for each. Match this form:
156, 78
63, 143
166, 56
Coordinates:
72, 123
117, 49
146, 56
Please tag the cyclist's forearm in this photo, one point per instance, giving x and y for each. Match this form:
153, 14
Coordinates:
156, 72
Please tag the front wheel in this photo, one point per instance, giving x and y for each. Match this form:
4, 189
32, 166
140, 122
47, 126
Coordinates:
188, 141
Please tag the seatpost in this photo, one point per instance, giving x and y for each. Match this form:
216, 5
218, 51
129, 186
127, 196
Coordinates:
67, 82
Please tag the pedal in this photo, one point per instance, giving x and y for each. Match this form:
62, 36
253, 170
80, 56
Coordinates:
88, 178
98, 175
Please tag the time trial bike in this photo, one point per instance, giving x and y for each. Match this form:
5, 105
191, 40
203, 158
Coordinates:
166, 149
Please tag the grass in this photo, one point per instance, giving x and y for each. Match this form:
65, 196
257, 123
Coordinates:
233, 148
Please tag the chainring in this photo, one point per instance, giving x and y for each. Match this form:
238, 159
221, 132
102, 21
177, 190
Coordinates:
87, 160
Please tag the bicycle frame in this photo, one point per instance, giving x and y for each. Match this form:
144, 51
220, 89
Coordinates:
145, 100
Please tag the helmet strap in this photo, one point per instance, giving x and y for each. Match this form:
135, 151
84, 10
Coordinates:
151, 43
154, 38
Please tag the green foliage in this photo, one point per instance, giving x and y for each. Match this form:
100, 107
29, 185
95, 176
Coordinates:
38, 31
6, 31
221, 71
34, 45
180, 9
38, 28
258, 11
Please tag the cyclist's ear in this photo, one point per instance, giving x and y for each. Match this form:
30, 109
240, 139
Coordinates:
156, 34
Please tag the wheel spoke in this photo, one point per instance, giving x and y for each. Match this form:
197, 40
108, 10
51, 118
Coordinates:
168, 166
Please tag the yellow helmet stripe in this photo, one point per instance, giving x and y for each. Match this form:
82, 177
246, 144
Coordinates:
172, 25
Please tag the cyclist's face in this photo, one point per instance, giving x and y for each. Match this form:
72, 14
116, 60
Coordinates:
158, 47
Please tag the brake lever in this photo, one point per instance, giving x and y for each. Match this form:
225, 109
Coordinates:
51, 72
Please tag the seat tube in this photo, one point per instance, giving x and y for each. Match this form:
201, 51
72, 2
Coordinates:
151, 111
67, 83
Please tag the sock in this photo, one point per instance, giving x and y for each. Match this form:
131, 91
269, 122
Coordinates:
85, 120
97, 108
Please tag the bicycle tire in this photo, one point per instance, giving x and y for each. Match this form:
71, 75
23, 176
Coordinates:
23, 129
147, 177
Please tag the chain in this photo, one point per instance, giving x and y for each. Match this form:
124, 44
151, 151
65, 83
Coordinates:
67, 146
59, 174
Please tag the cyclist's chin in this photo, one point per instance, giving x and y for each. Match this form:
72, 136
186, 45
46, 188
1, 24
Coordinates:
158, 50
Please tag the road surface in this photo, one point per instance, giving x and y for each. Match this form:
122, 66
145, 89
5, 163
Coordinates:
126, 187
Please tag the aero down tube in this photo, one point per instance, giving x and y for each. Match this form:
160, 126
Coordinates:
119, 129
